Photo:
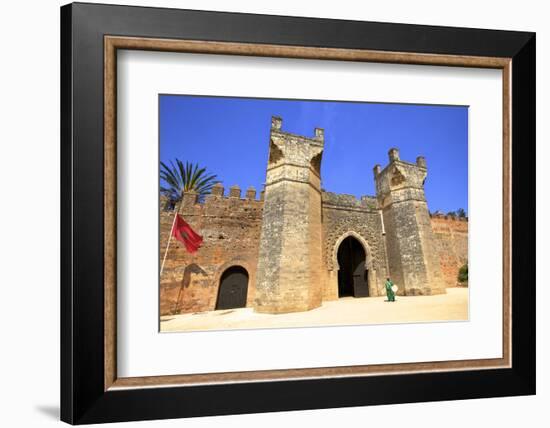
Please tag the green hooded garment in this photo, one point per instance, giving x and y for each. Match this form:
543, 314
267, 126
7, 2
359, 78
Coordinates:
389, 291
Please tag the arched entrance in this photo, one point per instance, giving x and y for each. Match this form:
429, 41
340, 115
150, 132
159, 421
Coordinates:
233, 288
352, 275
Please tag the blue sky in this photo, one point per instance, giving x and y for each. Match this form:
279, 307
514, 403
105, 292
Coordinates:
230, 136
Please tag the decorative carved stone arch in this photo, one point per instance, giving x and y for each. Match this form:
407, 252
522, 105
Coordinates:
369, 264
397, 177
362, 241
248, 265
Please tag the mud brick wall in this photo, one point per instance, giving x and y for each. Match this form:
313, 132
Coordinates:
451, 241
230, 227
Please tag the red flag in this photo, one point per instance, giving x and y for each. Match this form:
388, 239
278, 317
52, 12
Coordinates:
183, 233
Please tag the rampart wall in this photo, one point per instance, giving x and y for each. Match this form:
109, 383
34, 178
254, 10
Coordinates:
230, 227
231, 224
451, 242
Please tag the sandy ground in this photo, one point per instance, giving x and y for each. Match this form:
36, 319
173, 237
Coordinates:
452, 306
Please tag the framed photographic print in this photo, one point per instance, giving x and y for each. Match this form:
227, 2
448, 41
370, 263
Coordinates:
265, 213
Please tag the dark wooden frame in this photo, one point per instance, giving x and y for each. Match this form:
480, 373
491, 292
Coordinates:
90, 391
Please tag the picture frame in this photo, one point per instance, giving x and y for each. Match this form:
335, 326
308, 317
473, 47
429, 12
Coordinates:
91, 391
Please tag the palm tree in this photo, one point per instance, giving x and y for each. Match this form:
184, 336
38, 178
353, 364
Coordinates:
179, 177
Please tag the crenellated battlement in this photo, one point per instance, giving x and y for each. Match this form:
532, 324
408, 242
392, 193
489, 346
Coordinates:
234, 192
216, 204
231, 203
344, 201
318, 138
441, 216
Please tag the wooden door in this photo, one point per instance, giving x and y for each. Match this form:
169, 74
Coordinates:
233, 288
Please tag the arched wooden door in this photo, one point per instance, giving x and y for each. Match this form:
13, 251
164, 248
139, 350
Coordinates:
233, 288
352, 275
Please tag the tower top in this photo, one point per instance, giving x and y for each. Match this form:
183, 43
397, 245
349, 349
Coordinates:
277, 128
406, 178
301, 155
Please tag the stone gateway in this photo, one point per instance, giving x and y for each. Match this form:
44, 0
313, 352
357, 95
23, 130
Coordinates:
297, 245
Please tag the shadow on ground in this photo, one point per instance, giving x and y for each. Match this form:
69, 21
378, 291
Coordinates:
50, 411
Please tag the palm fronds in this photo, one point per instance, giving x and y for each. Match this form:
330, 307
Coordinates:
178, 178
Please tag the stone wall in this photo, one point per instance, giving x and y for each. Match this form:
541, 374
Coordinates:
343, 216
230, 227
412, 256
289, 261
451, 241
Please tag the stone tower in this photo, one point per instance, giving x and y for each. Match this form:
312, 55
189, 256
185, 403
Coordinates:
290, 260
412, 258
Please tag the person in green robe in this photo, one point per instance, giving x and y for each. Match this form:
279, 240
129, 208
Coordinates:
389, 291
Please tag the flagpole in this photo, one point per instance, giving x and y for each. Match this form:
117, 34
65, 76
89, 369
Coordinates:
168, 245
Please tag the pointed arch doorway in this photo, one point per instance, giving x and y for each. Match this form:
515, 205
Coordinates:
352, 273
